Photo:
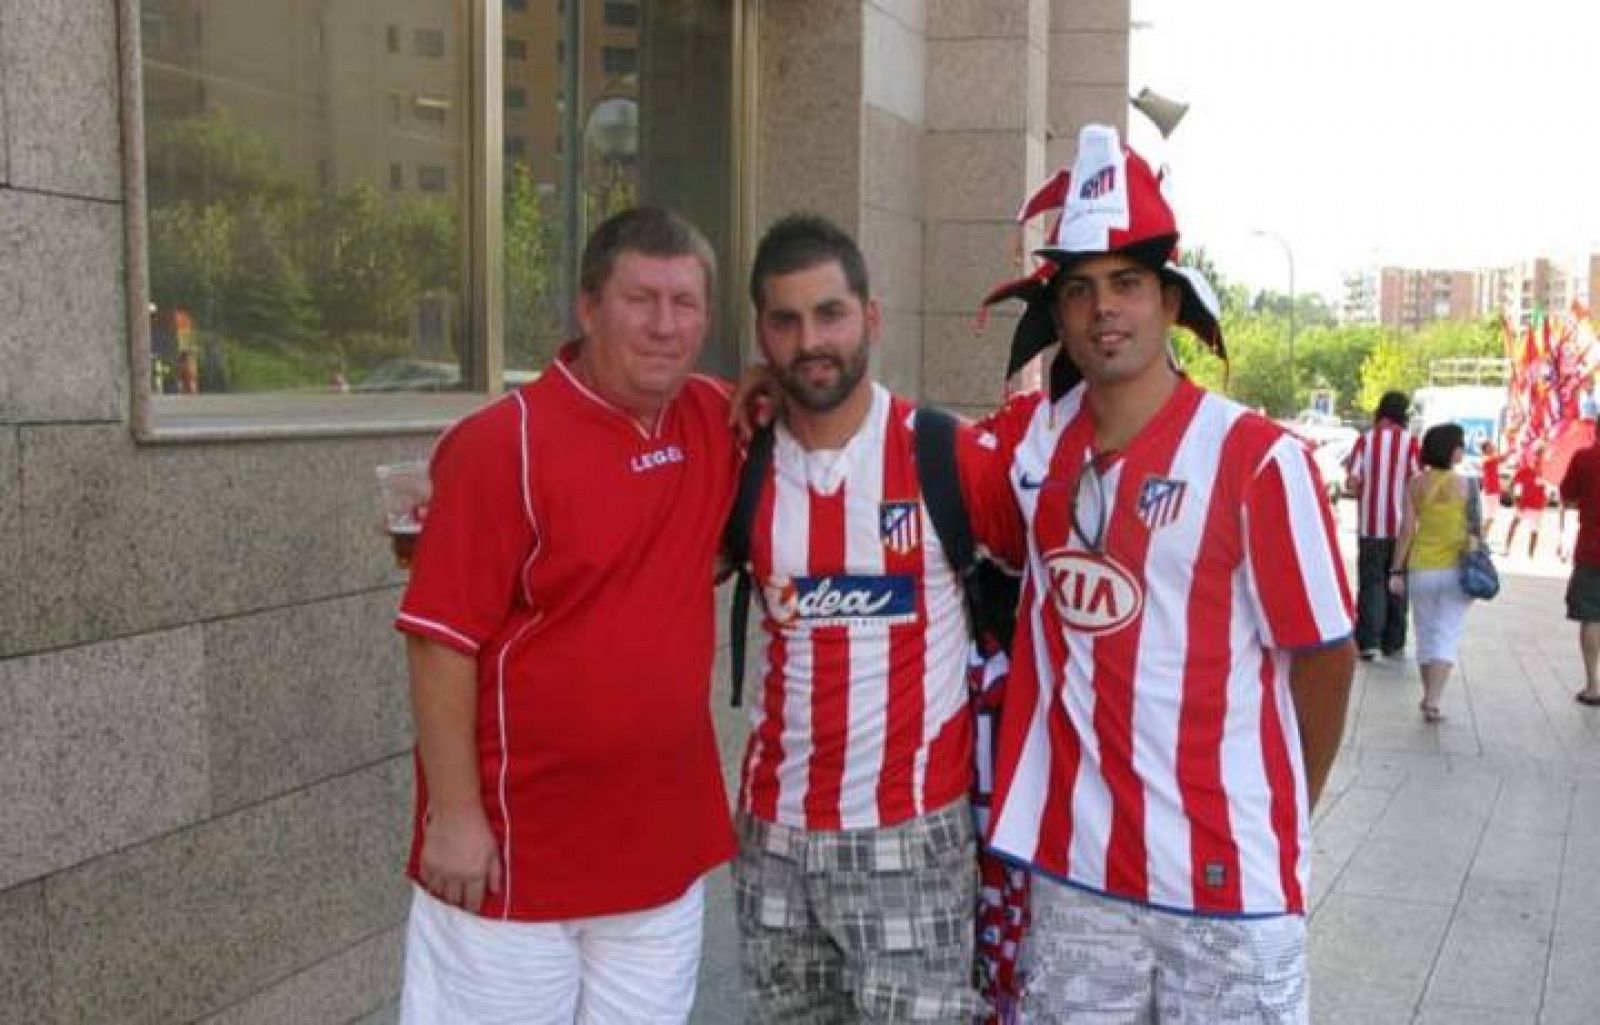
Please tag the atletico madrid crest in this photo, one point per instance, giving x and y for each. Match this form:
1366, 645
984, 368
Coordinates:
1160, 501
900, 526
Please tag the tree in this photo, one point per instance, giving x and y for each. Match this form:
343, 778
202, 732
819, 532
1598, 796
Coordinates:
532, 257
1393, 365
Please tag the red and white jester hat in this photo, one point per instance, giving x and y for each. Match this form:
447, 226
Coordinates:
1110, 202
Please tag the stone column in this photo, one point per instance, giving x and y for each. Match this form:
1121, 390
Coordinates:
1088, 71
985, 147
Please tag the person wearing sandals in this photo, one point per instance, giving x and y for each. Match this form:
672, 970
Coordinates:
1436, 526
1580, 490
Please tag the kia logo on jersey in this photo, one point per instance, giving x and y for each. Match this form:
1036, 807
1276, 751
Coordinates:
1092, 593
844, 600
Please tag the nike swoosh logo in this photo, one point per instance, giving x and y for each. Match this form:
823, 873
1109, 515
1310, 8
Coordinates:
1029, 483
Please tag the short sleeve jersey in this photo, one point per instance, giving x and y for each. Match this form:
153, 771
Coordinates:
570, 551
862, 719
1581, 487
1148, 747
1383, 459
1531, 495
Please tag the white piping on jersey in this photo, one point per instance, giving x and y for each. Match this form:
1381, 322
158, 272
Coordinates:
505, 765
527, 503
722, 387
633, 421
429, 624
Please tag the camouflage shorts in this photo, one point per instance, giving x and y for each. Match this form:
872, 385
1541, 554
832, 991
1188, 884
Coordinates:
858, 925
1091, 958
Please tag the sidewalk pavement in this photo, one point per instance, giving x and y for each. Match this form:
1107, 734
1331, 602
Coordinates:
1456, 867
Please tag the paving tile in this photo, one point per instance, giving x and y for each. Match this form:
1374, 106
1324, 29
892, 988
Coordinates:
1572, 992
1512, 854
1460, 1014
1486, 964
1533, 806
1407, 868
1353, 970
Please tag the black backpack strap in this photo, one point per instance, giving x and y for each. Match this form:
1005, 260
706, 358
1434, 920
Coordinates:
935, 445
736, 547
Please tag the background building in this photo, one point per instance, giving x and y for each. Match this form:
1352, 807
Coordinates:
1403, 297
254, 250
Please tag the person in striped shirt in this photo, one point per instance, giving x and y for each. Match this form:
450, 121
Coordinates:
1183, 656
855, 881
1383, 459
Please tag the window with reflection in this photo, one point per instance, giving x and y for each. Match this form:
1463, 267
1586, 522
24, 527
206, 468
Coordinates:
306, 172
310, 182
636, 107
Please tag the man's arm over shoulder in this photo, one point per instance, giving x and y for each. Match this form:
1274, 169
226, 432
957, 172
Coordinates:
984, 455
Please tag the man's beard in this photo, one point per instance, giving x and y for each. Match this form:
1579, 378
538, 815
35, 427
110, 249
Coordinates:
823, 398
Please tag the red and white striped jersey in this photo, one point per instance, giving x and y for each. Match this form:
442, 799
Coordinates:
1148, 747
1382, 460
862, 719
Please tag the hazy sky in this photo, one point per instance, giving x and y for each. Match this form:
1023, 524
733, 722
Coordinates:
1441, 133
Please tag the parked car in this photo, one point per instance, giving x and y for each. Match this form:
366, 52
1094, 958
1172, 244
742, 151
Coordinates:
1330, 457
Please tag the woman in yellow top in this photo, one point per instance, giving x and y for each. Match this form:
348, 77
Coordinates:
1433, 534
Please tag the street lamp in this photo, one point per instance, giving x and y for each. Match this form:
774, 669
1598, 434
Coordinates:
1288, 255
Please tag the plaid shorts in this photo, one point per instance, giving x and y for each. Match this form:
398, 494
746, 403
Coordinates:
859, 925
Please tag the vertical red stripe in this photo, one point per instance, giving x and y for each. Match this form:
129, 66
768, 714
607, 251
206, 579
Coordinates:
765, 753
830, 655
1285, 603
1208, 662
907, 648
1066, 752
1280, 780
1386, 456
1116, 655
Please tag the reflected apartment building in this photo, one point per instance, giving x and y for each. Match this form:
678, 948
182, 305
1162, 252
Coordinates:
255, 250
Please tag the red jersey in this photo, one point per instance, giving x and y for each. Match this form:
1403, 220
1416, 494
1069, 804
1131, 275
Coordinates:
570, 551
1491, 477
863, 718
1149, 747
1382, 461
1530, 490
1581, 487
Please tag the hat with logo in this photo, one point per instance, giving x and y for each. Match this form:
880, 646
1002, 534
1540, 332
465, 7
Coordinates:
1109, 202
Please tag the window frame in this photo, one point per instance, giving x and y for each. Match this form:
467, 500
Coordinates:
158, 419
260, 415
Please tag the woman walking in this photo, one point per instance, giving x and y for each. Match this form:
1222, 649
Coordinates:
1434, 531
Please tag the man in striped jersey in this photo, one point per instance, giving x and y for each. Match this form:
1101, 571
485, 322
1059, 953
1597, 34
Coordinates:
1383, 459
560, 633
855, 881
1182, 660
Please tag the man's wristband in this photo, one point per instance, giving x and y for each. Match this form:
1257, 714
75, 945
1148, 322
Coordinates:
1397, 572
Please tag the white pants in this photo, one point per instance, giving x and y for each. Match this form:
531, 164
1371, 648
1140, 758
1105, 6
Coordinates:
610, 970
1438, 612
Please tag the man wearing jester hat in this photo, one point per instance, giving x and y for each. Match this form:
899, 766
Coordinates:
1183, 653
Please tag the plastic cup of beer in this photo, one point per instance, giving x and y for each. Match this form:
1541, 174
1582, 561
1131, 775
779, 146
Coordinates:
406, 490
